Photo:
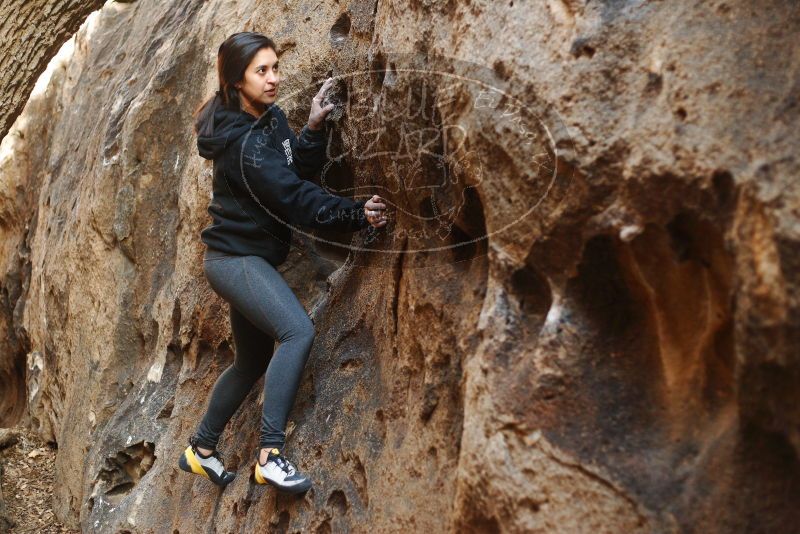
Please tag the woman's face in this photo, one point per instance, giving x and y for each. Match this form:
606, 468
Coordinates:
259, 87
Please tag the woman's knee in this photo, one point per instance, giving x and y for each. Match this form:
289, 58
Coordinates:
307, 330
251, 369
301, 331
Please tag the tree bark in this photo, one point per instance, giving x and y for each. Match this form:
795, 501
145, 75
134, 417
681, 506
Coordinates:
33, 31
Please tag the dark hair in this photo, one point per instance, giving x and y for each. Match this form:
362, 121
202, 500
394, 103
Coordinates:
233, 57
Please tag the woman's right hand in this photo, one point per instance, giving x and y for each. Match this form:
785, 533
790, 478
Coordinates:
374, 209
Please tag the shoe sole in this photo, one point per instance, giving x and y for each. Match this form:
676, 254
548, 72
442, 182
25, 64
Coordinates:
300, 488
183, 464
186, 463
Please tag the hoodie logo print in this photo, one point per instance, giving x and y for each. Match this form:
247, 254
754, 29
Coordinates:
288, 149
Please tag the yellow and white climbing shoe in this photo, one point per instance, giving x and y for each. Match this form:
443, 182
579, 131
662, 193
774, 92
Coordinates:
281, 473
211, 467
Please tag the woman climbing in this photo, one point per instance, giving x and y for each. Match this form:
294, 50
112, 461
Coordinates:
260, 191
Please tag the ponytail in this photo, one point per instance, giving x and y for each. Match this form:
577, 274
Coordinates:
204, 115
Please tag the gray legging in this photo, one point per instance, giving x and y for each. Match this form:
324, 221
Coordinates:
263, 309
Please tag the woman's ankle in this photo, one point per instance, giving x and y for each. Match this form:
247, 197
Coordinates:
264, 453
204, 451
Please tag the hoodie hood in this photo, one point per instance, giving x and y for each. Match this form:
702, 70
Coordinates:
229, 125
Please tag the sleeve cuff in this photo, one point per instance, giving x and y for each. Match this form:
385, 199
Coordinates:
314, 136
361, 218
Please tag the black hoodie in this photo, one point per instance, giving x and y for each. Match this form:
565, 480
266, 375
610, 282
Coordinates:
261, 185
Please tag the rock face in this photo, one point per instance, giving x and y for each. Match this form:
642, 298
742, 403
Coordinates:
623, 358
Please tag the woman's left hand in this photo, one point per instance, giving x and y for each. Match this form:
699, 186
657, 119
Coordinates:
318, 112
374, 209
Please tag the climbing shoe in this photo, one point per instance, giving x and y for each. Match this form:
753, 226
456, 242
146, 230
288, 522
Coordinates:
211, 467
281, 473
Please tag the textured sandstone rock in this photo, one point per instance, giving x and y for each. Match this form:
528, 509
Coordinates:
5, 521
624, 359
